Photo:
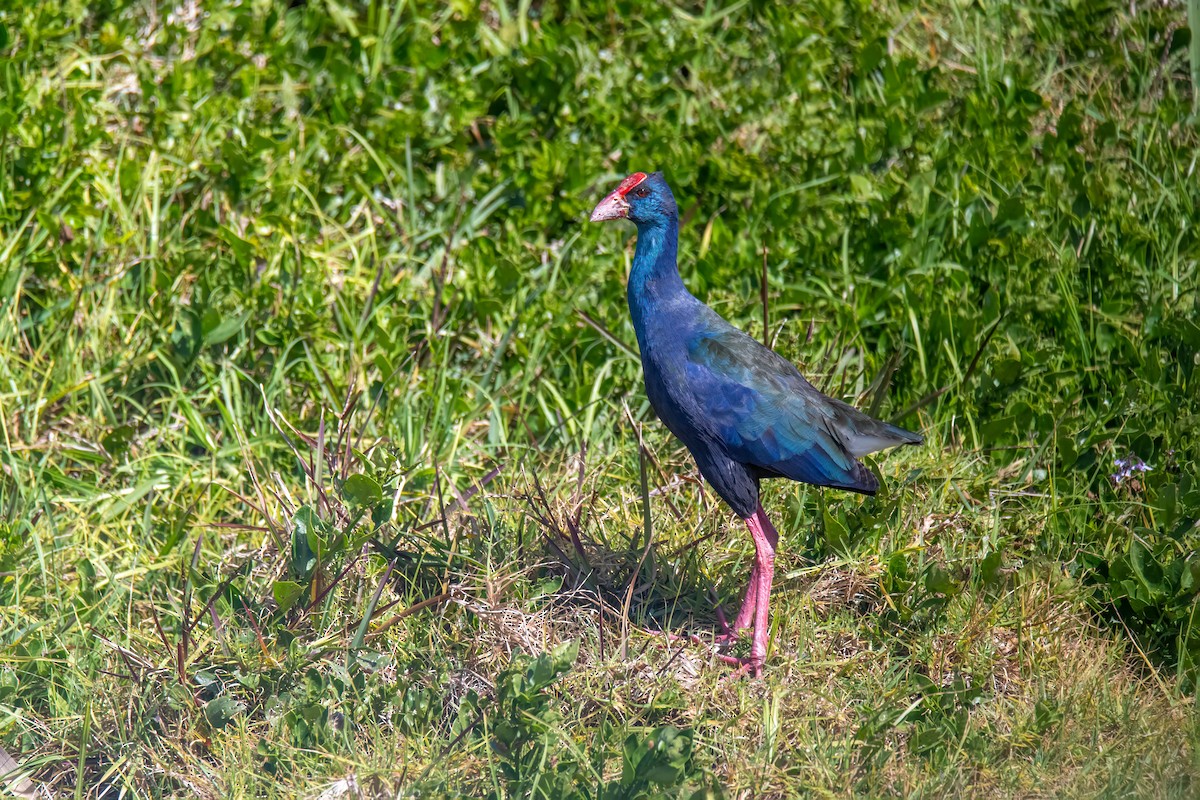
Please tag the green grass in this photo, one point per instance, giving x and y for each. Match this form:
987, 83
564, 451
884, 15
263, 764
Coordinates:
321, 408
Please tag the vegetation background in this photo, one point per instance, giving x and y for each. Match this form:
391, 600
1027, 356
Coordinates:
327, 469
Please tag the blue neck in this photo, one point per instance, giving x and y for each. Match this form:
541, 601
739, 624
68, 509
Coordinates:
654, 278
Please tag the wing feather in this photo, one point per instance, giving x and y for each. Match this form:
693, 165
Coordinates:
764, 413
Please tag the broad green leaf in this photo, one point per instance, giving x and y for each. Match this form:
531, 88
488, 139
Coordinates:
286, 594
362, 490
220, 711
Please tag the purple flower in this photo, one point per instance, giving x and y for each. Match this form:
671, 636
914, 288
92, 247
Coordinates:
1127, 466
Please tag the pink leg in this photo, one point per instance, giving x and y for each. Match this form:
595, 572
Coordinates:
694, 639
745, 617
756, 606
765, 540
745, 614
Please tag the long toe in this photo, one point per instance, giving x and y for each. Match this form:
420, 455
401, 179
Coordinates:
692, 638
725, 641
746, 667
723, 623
729, 634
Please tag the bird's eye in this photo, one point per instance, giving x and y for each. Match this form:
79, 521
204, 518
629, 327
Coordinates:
641, 192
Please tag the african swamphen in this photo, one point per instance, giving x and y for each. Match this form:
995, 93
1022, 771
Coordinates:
743, 411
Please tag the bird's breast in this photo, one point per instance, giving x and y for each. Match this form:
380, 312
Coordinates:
672, 397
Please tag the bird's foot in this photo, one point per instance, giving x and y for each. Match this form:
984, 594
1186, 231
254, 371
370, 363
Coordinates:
686, 637
714, 647
732, 661
728, 635
721, 641
727, 639
724, 623
750, 667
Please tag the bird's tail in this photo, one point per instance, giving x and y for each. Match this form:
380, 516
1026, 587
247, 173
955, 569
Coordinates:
902, 436
861, 434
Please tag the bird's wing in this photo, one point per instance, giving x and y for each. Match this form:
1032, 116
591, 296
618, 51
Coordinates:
766, 414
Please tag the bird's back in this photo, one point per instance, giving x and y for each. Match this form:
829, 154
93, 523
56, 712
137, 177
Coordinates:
761, 412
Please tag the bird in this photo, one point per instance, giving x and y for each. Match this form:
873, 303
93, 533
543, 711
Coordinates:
743, 411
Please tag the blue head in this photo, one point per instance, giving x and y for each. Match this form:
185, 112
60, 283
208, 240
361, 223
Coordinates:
644, 200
